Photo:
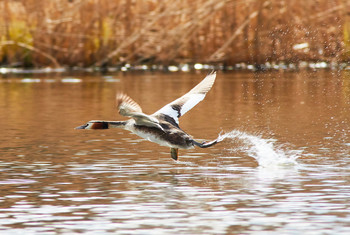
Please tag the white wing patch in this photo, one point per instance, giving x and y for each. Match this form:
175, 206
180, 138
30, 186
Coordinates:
186, 102
168, 110
192, 101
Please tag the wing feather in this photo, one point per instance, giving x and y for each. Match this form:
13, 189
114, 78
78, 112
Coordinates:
127, 106
182, 105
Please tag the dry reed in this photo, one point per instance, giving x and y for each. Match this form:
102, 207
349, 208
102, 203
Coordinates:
104, 32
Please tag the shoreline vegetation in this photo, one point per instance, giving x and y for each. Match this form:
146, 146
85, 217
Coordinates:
179, 35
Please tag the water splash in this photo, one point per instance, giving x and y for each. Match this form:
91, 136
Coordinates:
262, 150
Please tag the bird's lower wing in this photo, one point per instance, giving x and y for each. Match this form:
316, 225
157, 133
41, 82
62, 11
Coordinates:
128, 107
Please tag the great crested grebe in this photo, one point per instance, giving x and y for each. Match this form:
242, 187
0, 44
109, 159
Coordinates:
162, 127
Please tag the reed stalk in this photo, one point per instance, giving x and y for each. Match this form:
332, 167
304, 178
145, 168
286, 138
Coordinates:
107, 33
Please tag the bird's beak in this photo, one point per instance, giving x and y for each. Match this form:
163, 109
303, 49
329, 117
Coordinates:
82, 127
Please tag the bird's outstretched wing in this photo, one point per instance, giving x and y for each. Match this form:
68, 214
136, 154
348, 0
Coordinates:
129, 108
180, 106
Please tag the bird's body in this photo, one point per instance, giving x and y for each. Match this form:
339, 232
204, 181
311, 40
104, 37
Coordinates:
162, 127
170, 136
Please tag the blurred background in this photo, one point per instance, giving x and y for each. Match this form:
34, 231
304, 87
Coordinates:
84, 33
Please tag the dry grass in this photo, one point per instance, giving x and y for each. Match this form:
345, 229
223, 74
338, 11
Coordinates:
104, 32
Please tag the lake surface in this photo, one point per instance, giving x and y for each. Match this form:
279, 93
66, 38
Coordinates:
283, 168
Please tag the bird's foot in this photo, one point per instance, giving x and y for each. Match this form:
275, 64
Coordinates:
174, 153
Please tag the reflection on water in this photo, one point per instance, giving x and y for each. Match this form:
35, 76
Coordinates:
55, 179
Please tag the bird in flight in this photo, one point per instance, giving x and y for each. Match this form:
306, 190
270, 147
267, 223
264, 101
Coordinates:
161, 127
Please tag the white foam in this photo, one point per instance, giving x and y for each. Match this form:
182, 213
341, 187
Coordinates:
262, 150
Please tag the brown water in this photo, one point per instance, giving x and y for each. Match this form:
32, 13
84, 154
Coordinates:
284, 167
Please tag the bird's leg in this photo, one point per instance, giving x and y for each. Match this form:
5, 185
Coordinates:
174, 153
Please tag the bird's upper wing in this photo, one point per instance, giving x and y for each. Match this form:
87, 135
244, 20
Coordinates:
180, 106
